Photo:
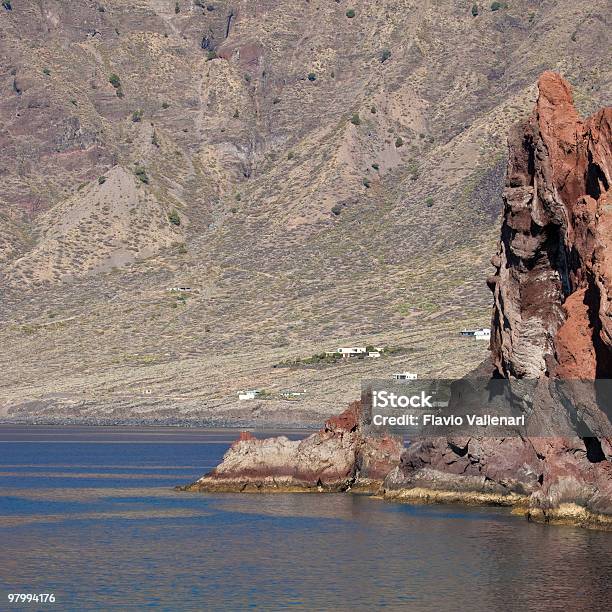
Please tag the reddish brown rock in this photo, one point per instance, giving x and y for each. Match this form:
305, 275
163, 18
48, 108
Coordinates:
245, 436
552, 291
576, 481
336, 458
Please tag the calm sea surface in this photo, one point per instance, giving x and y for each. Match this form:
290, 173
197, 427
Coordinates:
90, 515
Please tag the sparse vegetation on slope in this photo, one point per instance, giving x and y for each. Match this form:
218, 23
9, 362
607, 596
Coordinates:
174, 217
141, 173
289, 246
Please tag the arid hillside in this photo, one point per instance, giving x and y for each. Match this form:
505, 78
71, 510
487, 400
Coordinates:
321, 173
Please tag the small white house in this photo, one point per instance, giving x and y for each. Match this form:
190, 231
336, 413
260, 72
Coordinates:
404, 376
249, 395
483, 334
374, 354
353, 350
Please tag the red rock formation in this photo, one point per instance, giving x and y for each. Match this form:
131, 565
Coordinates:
244, 436
552, 287
336, 458
552, 319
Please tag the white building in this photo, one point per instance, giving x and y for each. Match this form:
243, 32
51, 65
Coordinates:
374, 354
288, 394
404, 376
353, 350
249, 395
482, 333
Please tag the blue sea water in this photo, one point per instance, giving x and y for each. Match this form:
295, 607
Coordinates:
90, 515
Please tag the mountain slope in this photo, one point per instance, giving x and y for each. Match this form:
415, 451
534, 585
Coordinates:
325, 196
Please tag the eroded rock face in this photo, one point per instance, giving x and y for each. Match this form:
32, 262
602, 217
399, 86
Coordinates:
336, 458
552, 291
551, 479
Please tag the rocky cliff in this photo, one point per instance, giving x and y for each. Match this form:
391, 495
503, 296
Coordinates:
553, 311
551, 320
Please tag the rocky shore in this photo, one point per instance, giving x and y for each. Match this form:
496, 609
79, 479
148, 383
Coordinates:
549, 480
339, 457
552, 320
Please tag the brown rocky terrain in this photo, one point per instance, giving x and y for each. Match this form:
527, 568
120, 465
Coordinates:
551, 320
340, 457
322, 180
556, 243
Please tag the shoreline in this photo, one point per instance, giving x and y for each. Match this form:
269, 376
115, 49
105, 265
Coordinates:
170, 423
567, 514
